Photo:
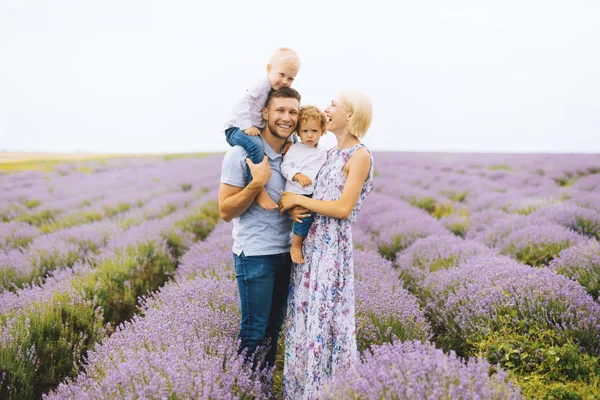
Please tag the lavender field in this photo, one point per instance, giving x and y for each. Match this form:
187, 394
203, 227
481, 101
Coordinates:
477, 277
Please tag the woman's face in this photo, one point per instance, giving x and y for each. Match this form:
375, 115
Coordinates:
337, 117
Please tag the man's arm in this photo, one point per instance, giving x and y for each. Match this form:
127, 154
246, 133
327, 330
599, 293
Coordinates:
234, 200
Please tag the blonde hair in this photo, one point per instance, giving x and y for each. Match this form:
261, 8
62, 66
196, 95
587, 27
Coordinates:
360, 106
283, 55
310, 112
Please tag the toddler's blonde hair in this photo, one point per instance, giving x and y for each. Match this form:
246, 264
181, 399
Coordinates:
361, 107
311, 112
283, 55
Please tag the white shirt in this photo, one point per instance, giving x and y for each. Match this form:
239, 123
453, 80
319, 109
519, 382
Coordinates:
305, 160
247, 111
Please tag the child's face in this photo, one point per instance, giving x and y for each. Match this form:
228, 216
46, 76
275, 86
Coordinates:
281, 75
310, 132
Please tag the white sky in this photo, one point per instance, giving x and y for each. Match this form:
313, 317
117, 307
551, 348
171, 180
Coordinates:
149, 76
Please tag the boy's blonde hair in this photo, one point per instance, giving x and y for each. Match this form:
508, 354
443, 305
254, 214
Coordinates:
283, 55
360, 106
311, 112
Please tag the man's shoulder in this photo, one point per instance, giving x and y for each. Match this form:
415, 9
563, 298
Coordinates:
237, 152
236, 155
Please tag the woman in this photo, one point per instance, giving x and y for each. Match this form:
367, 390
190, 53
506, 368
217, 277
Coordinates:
320, 327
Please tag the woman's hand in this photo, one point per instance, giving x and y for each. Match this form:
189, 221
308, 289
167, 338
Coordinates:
299, 213
288, 200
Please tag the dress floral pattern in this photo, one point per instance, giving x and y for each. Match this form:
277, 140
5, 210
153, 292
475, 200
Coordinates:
320, 326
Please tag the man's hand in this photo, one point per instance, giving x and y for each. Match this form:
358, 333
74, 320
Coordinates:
302, 179
298, 213
261, 173
252, 131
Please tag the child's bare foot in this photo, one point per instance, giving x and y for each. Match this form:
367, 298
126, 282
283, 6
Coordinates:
296, 253
265, 201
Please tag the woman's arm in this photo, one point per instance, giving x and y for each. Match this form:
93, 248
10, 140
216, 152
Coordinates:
358, 171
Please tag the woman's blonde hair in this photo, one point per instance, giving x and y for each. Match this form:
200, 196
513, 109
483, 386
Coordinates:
360, 106
286, 56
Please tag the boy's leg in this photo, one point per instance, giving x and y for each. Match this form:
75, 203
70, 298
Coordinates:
256, 278
279, 305
296, 249
256, 152
300, 232
254, 145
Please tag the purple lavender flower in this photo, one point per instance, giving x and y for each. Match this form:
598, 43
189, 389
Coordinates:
184, 346
385, 311
415, 370
581, 263
16, 234
467, 302
433, 253
538, 244
579, 219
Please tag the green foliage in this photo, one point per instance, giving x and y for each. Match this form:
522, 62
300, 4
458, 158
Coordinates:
389, 250
565, 181
202, 222
437, 209
42, 217
454, 195
425, 203
49, 341
501, 167
44, 262
458, 228
587, 227
593, 170
186, 187
80, 218
536, 254
177, 156
121, 207
442, 210
31, 203
13, 242
545, 364
386, 331
117, 282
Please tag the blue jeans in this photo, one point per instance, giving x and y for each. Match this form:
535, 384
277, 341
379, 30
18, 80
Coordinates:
254, 145
263, 287
302, 228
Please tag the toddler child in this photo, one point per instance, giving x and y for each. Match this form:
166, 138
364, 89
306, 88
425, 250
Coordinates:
300, 166
246, 121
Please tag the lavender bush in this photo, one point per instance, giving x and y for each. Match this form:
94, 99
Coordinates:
415, 370
581, 263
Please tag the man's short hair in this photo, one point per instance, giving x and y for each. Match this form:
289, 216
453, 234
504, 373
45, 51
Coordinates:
284, 92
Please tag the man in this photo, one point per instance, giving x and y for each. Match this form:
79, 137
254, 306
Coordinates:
261, 237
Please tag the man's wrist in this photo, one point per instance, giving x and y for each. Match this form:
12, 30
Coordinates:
254, 184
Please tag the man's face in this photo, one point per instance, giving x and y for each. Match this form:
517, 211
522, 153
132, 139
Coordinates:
282, 116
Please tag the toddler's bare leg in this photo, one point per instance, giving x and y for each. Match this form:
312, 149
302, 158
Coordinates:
296, 249
265, 201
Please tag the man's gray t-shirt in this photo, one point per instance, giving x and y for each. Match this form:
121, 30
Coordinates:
258, 232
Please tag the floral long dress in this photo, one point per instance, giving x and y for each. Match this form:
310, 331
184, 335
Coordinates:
320, 326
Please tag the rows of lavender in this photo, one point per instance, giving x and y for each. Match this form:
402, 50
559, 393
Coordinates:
502, 253
78, 249
476, 277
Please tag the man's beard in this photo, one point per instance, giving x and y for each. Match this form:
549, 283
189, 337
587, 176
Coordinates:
274, 129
